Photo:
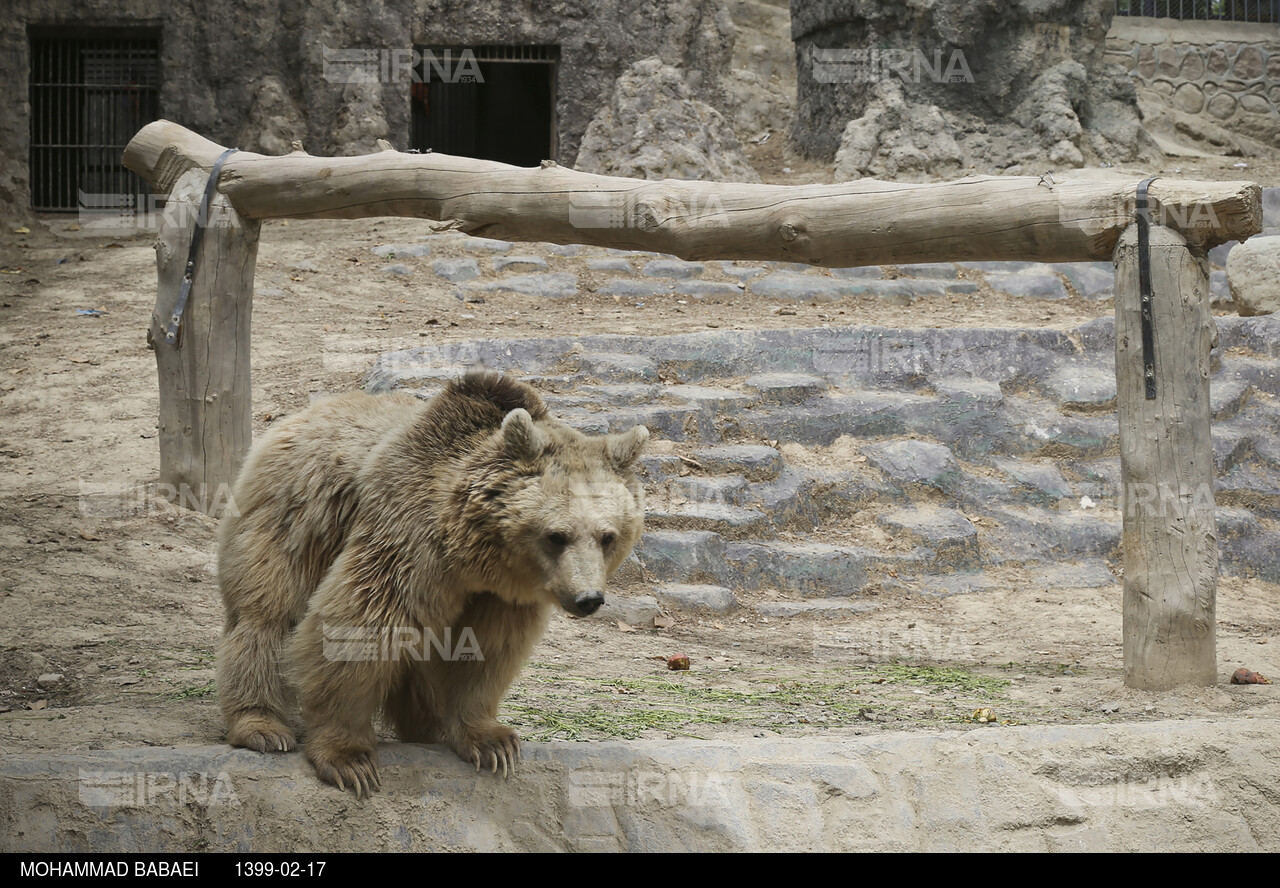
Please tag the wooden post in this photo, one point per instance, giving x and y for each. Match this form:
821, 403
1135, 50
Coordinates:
1166, 467
205, 395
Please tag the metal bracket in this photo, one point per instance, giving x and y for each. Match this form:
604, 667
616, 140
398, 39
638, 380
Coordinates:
172, 335
1144, 289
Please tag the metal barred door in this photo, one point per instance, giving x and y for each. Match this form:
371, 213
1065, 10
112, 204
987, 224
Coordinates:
89, 96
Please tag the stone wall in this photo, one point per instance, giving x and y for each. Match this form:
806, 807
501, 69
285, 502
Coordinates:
250, 73
1025, 83
1208, 85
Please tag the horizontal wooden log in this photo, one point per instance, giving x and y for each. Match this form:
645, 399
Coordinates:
1078, 218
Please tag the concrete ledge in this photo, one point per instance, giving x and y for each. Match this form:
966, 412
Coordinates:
1145, 29
1159, 786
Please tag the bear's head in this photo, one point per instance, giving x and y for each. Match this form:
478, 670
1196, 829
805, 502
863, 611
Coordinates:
570, 509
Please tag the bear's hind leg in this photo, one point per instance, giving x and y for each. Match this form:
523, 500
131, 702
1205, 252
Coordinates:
251, 689
411, 708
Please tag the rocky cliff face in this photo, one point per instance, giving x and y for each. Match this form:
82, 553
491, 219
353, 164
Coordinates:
259, 74
941, 87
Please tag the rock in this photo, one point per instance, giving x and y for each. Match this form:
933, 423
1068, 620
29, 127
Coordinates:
931, 270
1253, 273
1091, 573
859, 273
709, 289
671, 268
556, 285
274, 120
1271, 207
619, 367
740, 270
812, 569
396, 269
634, 610
799, 287
655, 127
563, 249
887, 100
361, 120
839, 608
894, 139
705, 597
486, 245
754, 461
49, 680
914, 462
401, 251
1083, 387
682, 556
786, 388
628, 288
1036, 285
521, 263
946, 532
1219, 289
1044, 479
609, 264
1092, 280
456, 270
967, 388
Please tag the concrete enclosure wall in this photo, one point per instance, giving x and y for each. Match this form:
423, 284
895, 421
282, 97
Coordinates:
1227, 74
252, 73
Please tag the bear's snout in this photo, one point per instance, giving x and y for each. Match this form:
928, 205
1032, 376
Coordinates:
588, 603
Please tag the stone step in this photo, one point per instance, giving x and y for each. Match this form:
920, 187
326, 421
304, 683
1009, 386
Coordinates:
967, 448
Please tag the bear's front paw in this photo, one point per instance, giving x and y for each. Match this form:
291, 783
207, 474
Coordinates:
357, 769
260, 733
490, 747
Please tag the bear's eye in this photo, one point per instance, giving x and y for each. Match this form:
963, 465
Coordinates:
557, 540
606, 540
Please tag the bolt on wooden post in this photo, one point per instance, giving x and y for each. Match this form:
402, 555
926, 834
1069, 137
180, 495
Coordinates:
1166, 466
205, 393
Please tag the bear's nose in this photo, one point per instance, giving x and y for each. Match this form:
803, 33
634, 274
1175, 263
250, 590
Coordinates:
588, 603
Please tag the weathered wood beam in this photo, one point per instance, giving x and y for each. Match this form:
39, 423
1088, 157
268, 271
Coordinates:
1017, 218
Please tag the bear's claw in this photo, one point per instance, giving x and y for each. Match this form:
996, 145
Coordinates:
502, 750
358, 770
266, 736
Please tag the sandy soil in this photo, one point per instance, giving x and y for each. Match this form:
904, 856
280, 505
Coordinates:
126, 608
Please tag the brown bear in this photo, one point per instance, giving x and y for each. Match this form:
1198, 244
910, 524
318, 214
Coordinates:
368, 535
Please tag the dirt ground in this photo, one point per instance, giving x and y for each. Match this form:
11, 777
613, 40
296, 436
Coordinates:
126, 610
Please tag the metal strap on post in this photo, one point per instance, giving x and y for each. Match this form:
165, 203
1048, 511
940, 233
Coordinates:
1144, 289
172, 335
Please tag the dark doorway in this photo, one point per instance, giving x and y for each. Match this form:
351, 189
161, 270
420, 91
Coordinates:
90, 93
491, 102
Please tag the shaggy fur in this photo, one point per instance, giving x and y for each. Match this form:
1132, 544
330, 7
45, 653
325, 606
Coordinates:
382, 515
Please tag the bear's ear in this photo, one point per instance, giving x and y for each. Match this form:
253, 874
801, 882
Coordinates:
624, 449
523, 439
